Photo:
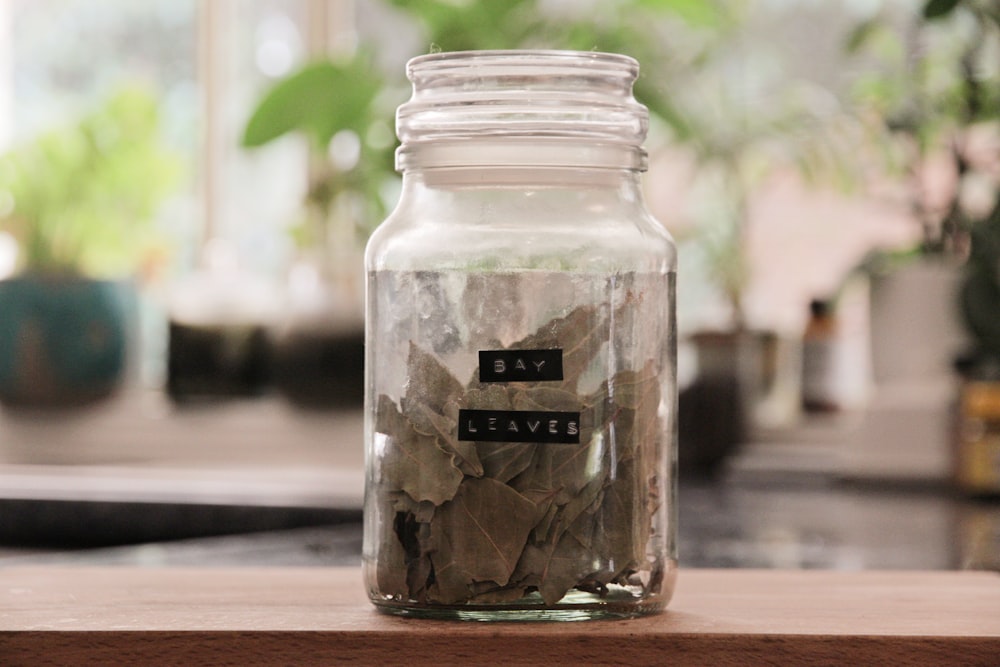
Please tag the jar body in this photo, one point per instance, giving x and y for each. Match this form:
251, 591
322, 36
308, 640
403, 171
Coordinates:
520, 397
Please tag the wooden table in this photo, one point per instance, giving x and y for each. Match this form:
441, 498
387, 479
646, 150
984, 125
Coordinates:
135, 616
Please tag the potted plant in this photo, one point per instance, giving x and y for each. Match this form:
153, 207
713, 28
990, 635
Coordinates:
79, 201
932, 102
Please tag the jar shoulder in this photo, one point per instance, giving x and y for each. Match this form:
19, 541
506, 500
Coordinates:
630, 237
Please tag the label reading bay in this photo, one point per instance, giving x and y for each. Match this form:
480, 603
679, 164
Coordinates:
519, 426
520, 365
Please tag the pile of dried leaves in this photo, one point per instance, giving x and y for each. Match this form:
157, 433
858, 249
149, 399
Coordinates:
487, 522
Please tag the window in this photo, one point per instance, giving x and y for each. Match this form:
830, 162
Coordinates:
207, 62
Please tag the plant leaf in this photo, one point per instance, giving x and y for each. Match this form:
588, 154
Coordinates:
479, 535
445, 429
935, 9
428, 381
623, 523
412, 462
500, 460
631, 405
697, 13
581, 334
391, 569
862, 33
564, 469
546, 398
555, 569
319, 100
505, 460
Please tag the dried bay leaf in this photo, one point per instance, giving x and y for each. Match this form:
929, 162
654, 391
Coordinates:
422, 510
546, 511
569, 563
581, 334
391, 569
631, 402
445, 428
561, 468
451, 581
566, 469
488, 397
499, 595
490, 523
546, 535
578, 514
546, 398
543, 499
503, 461
639, 432
543, 533
553, 569
623, 524
428, 381
632, 389
412, 462
418, 563
479, 535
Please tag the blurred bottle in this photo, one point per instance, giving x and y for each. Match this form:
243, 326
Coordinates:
834, 361
976, 442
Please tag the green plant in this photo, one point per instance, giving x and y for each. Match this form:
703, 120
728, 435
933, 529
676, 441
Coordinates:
747, 120
352, 97
322, 100
80, 198
691, 80
644, 29
932, 92
936, 101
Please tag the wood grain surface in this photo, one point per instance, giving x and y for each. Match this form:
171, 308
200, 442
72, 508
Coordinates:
320, 616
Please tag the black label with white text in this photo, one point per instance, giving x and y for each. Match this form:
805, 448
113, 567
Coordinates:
519, 426
520, 365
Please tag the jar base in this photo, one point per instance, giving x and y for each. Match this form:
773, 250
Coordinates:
618, 603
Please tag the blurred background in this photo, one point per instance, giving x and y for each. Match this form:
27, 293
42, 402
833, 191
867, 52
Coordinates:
186, 187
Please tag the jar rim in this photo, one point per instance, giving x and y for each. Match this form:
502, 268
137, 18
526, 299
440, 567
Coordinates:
579, 97
527, 57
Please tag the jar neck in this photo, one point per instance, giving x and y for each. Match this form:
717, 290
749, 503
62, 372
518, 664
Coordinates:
601, 181
533, 153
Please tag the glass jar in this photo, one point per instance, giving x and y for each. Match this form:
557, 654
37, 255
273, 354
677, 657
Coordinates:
521, 375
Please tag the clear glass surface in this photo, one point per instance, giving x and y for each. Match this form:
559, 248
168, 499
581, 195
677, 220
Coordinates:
566, 510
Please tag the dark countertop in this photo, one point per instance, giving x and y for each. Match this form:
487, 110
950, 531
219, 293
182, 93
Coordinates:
806, 525
256, 484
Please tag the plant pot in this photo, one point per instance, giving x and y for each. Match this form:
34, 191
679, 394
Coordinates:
714, 411
211, 361
915, 325
319, 349
321, 367
62, 340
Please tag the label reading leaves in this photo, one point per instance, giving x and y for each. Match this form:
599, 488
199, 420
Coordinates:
519, 426
520, 365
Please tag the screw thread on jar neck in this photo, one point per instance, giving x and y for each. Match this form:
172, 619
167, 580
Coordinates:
522, 108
